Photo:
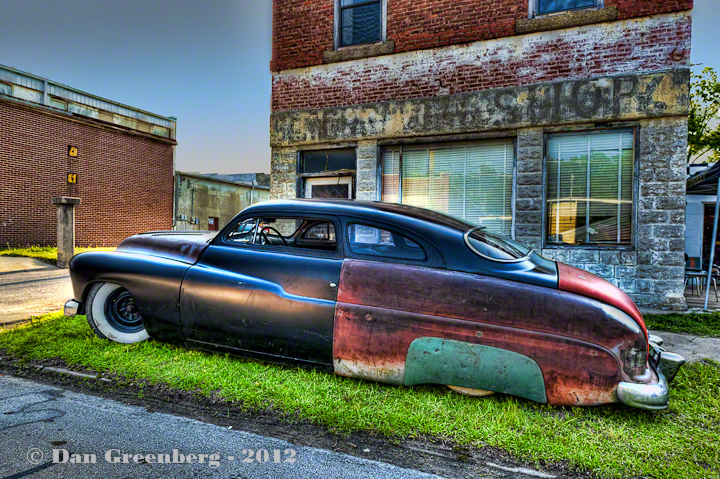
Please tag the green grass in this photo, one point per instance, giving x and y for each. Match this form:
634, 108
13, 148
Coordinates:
613, 441
699, 324
47, 254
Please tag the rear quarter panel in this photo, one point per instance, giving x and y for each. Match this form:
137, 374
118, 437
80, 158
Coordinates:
383, 307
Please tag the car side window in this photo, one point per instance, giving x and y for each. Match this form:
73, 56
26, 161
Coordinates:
243, 233
306, 233
324, 231
373, 241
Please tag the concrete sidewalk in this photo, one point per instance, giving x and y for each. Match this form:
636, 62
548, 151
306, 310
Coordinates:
29, 287
692, 348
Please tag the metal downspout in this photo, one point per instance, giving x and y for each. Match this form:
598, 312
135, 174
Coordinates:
714, 244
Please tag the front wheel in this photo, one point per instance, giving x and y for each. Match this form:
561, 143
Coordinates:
113, 314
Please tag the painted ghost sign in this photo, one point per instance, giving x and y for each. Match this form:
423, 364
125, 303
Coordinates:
612, 98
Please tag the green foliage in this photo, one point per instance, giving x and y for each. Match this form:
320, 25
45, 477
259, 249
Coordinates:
47, 254
612, 441
699, 324
703, 121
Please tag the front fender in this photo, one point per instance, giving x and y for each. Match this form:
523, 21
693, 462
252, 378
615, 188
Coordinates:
154, 282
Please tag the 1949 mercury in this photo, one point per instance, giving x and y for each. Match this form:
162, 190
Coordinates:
382, 292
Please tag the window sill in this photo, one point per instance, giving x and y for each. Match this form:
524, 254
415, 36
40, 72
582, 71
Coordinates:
569, 19
357, 52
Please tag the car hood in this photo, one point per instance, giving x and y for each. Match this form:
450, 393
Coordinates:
578, 281
184, 246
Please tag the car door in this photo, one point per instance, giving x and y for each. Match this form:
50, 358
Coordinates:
261, 290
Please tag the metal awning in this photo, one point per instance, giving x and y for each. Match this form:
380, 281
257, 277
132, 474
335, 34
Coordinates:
704, 182
707, 182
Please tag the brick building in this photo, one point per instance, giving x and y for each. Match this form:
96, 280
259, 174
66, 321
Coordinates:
123, 168
562, 123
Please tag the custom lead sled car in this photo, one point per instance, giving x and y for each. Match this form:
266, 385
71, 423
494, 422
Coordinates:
382, 292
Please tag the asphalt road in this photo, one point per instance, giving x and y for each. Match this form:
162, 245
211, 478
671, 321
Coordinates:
36, 419
29, 287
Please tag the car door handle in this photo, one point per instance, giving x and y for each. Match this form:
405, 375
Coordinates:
333, 285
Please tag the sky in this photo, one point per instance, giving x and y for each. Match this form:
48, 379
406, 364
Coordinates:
205, 62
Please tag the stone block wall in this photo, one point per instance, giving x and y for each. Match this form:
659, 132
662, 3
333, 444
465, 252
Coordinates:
366, 177
652, 270
283, 173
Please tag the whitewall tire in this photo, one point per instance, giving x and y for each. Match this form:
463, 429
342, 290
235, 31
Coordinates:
113, 314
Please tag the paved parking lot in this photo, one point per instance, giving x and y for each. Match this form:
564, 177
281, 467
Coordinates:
41, 426
29, 287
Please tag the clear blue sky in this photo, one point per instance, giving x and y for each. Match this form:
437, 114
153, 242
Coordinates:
205, 62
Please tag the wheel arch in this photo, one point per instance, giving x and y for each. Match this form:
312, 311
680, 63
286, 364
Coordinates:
154, 283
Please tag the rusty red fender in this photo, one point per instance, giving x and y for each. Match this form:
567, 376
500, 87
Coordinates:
578, 281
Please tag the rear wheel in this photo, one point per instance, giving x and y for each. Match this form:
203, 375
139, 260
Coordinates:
113, 314
470, 391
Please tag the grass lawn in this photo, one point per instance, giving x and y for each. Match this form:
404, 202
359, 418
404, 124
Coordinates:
612, 441
700, 324
47, 254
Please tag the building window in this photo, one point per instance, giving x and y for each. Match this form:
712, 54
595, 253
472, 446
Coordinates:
590, 188
360, 21
57, 103
545, 7
320, 161
473, 181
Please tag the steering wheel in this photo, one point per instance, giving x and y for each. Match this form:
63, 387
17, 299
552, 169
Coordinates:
263, 235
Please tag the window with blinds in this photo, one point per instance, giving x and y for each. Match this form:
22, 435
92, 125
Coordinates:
590, 188
472, 181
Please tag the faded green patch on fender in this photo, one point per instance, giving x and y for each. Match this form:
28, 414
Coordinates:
457, 363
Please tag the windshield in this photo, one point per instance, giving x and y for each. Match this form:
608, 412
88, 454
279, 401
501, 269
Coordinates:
495, 247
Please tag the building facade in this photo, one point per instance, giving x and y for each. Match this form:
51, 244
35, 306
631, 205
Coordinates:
562, 123
208, 202
59, 141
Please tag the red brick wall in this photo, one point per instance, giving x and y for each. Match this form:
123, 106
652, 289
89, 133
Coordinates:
303, 30
125, 181
641, 45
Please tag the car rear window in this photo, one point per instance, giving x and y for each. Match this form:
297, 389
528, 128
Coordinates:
495, 247
372, 241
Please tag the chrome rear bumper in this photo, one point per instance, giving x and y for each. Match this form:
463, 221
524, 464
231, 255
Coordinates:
71, 308
653, 396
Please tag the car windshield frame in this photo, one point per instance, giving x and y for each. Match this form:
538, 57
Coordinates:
490, 258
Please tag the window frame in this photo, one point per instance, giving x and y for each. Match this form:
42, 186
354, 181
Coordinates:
445, 144
632, 244
221, 238
338, 23
535, 9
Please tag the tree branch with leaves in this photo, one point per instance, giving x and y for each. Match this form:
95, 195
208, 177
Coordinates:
703, 121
